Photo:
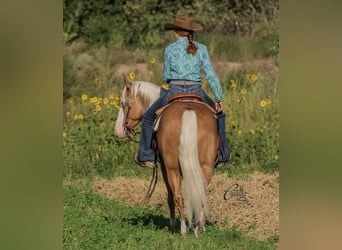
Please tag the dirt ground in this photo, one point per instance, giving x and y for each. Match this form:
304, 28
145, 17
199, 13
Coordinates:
256, 213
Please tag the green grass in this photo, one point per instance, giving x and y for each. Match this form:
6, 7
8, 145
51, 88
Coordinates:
223, 46
93, 222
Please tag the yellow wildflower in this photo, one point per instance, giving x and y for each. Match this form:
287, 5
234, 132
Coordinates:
93, 100
260, 130
251, 131
117, 106
263, 103
233, 84
235, 124
65, 134
94, 111
76, 117
165, 86
99, 100
276, 157
268, 101
98, 107
68, 113
105, 101
132, 75
152, 60
252, 78
243, 91
238, 100
228, 107
84, 97
112, 96
80, 117
239, 132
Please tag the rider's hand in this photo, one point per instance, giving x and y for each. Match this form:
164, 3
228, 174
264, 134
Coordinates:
218, 106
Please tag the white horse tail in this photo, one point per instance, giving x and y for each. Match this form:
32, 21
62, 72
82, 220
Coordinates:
195, 199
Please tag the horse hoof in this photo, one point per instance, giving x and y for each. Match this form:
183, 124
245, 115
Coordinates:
184, 229
197, 231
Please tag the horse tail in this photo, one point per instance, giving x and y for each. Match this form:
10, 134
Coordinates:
195, 199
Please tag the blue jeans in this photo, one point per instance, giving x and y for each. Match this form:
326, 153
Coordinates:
146, 152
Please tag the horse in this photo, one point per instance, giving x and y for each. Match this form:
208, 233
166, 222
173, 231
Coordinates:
187, 142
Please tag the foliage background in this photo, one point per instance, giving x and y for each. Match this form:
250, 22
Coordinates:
139, 23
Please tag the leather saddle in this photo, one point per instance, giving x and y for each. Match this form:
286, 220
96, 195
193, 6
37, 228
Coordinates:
189, 98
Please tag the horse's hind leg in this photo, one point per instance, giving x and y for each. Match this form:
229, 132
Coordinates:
170, 202
206, 170
175, 184
180, 206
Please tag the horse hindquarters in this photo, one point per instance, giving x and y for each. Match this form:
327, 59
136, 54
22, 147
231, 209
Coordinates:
188, 145
194, 183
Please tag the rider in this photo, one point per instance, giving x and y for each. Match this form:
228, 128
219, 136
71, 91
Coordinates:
183, 61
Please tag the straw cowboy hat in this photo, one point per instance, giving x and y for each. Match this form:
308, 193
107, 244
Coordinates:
183, 23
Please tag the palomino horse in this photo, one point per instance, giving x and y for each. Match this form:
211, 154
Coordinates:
187, 143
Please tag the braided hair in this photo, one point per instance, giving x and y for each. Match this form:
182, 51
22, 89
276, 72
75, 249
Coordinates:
191, 49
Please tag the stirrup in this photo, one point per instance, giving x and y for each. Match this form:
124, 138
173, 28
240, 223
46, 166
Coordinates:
220, 164
144, 164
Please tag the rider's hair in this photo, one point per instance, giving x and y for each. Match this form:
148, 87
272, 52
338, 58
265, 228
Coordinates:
191, 49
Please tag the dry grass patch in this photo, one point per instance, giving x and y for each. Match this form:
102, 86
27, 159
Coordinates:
258, 217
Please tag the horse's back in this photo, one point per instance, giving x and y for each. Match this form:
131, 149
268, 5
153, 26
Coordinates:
172, 116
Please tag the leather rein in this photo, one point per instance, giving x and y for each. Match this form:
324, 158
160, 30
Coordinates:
129, 132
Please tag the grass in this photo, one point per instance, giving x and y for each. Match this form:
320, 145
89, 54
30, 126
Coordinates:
233, 47
93, 222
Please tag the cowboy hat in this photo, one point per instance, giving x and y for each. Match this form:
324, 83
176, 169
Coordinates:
183, 23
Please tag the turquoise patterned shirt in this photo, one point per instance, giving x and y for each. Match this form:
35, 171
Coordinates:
179, 65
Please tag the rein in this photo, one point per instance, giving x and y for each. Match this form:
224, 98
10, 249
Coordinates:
151, 187
130, 132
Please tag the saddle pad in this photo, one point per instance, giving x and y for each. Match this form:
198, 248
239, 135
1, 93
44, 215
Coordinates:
160, 111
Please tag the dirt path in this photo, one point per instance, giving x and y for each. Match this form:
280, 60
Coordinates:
258, 217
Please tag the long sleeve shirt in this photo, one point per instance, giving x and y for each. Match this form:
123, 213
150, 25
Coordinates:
179, 65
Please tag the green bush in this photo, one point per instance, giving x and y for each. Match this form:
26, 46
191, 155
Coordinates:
140, 23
